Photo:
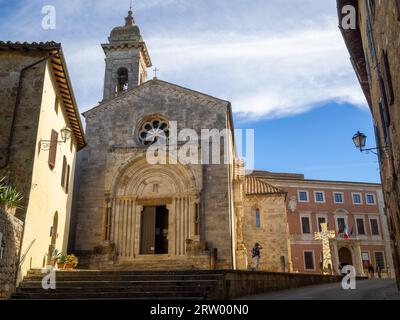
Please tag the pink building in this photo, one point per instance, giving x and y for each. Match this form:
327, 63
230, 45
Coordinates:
355, 211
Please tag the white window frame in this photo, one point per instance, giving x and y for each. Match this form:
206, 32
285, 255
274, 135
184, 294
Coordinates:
374, 236
323, 196
366, 199
346, 221
306, 215
321, 215
360, 217
304, 260
308, 196
361, 198
334, 198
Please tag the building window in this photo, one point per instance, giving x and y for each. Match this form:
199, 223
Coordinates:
122, 84
153, 131
374, 227
319, 197
357, 198
67, 179
303, 196
305, 225
309, 260
258, 218
371, 41
64, 172
370, 199
380, 259
387, 77
56, 104
360, 227
341, 222
53, 149
398, 9
197, 220
321, 220
338, 197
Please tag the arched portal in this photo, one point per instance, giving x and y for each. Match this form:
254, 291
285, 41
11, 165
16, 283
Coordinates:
153, 209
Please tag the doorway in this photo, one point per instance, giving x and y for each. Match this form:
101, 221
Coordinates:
154, 230
345, 257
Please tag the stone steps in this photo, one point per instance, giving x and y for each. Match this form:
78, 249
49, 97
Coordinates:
121, 285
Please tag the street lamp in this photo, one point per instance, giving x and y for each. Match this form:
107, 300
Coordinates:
360, 141
66, 134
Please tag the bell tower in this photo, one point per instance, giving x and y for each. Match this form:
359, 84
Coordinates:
127, 59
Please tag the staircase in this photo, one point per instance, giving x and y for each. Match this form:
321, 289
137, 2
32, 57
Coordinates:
122, 285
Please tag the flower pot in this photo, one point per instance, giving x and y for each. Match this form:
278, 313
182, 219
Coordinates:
69, 266
61, 265
52, 262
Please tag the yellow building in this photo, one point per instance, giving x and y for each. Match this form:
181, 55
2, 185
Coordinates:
40, 135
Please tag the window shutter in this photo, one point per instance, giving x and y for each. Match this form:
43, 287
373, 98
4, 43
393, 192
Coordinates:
64, 168
67, 182
387, 77
53, 149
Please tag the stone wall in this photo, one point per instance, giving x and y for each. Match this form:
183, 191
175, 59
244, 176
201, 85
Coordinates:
273, 234
239, 284
10, 234
385, 17
112, 126
24, 138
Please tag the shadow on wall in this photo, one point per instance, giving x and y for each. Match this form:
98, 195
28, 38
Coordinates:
10, 242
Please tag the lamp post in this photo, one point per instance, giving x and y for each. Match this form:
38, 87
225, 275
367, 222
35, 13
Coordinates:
66, 134
360, 141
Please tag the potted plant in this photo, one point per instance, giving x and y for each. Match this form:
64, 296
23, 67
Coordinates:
55, 256
71, 261
62, 261
10, 199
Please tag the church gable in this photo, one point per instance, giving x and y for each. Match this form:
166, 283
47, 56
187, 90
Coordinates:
159, 88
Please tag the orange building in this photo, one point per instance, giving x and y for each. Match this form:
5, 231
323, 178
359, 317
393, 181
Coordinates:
354, 211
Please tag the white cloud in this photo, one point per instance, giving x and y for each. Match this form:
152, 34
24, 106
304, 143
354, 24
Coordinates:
271, 59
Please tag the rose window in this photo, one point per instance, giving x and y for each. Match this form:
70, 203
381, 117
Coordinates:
154, 131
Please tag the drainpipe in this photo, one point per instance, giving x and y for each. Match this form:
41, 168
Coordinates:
17, 103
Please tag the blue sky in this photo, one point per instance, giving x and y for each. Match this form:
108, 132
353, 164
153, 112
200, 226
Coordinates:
282, 64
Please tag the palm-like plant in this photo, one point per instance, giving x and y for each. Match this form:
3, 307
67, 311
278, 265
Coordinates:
10, 197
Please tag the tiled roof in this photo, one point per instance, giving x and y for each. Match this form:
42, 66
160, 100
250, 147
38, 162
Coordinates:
30, 46
59, 68
255, 186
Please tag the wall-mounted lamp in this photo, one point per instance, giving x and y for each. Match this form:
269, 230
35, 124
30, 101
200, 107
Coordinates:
360, 140
65, 136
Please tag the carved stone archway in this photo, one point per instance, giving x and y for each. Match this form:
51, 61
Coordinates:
140, 184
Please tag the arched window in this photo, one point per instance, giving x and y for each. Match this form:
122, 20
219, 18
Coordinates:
258, 218
122, 84
155, 129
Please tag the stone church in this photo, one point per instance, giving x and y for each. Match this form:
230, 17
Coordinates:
133, 214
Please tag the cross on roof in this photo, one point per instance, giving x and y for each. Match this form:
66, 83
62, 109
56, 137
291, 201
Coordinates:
155, 72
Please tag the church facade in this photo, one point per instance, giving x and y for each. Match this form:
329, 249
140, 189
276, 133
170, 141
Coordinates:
131, 213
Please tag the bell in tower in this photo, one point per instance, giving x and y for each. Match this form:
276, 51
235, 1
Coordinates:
127, 59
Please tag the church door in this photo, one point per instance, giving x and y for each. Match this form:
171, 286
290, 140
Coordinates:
154, 230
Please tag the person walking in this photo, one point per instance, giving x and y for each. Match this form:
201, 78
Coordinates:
379, 270
256, 256
371, 271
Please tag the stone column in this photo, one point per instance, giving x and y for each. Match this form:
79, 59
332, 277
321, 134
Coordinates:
358, 260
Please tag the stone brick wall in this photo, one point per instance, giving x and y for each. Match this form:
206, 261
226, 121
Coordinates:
385, 22
25, 133
113, 125
272, 235
11, 233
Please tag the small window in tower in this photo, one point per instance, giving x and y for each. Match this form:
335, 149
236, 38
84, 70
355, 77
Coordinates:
122, 85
